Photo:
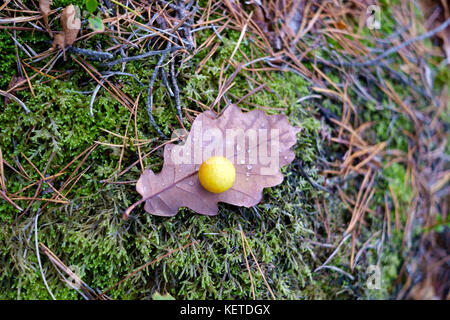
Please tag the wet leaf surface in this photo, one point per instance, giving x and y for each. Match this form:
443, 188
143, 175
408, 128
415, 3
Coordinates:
232, 135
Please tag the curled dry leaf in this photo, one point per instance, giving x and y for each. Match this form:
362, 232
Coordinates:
58, 41
256, 143
14, 81
71, 25
436, 12
290, 13
294, 17
44, 6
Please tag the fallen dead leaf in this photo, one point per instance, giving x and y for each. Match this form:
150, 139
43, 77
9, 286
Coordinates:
177, 184
290, 13
44, 6
435, 12
14, 80
71, 25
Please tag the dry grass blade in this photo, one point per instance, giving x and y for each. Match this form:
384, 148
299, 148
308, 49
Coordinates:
7, 199
257, 264
2, 172
75, 281
252, 287
10, 96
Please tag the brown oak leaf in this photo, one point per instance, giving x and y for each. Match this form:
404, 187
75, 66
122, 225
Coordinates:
256, 143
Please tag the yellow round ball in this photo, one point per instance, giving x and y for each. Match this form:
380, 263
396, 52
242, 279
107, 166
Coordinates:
217, 174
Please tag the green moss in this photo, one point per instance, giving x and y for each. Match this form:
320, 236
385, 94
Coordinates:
89, 232
8, 61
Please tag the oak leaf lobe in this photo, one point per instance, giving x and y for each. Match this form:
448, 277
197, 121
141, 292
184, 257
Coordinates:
177, 184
